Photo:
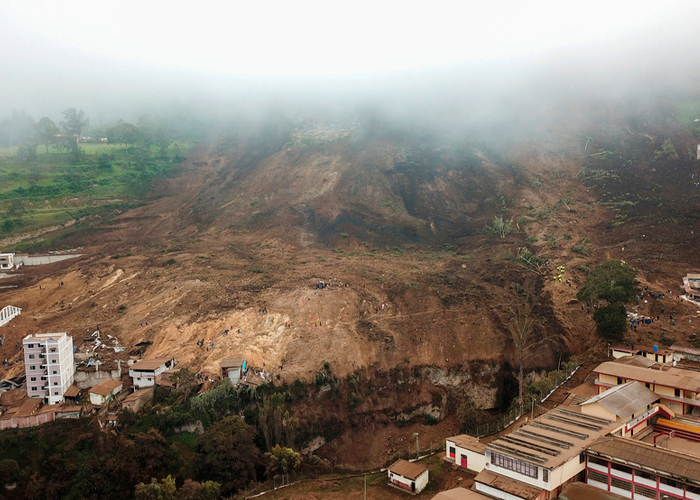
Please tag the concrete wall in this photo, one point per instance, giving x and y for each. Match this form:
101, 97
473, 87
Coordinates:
404, 483
31, 421
87, 379
475, 461
597, 410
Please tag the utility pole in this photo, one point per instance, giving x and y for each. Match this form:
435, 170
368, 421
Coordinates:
415, 435
365, 474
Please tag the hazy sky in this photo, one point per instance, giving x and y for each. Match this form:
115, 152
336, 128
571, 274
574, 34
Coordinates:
81, 53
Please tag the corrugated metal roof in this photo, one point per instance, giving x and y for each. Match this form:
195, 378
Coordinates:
105, 386
647, 455
554, 438
72, 391
232, 362
460, 494
468, 443
624, 400
669, 377
582, 491
409, 470
508, 485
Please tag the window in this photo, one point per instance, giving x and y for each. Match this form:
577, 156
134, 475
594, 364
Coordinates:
619, 483
452, 451
545, 475
55, 393
34, 388
514, 464
581, 458
647, 385
621, 468
33, 379
644, 491
31, 346
31, 356
598, 461
55, 383
677, 393
670, 482
32, 367
53, 361
597, 476
619, 380
644, 474
55, 372
44, 378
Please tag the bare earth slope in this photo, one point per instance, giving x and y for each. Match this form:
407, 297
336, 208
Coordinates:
395, 226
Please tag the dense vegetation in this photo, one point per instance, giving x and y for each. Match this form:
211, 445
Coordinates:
615, 284
151, 456
50, 175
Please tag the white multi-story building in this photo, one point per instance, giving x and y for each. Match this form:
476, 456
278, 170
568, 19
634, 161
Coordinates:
7, 261
49, 365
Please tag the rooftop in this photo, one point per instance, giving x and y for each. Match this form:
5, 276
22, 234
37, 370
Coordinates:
72, 392
232, 362
669, 376
468, 443
68, 409
137, 395
554, 438
686, 350
636, 361
460, 494
409, 470
45, 336
583, 491
648, 456
105, 386
624, 400
149, 364
508, 485
27, 407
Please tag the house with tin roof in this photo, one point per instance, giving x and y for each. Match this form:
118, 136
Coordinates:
408, 476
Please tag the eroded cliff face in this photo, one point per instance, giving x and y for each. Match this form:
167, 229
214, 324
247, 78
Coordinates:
337, 417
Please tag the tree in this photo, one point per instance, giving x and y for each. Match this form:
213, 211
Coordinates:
46, 131
9, 471
611, 321
192, 490
610, 281
226, 453
74, 122
522, 326
282, 461
124, 133
615, 284
18, 129
164, 490
500, 227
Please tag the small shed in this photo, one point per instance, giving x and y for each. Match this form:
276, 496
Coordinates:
73, 394
135, 401
408, 476
233, 369
104, 391
68, 411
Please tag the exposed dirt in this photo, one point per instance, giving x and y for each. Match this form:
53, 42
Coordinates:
396, 231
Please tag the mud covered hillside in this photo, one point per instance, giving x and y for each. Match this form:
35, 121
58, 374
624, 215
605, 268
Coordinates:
426, 242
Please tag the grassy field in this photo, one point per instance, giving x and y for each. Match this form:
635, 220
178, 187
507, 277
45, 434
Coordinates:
55, 187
